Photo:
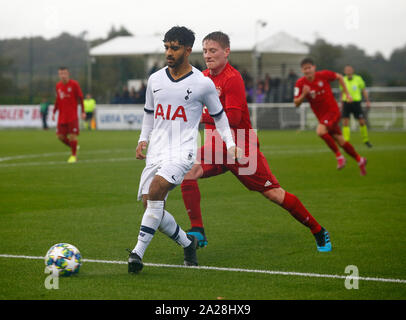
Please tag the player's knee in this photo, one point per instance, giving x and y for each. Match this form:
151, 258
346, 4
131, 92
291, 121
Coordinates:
144, 201
72, 137
340, 140
158, 189
195, 173
321, 130
345, 122
276, 195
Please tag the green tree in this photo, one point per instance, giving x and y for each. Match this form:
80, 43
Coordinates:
6, 84
325, 55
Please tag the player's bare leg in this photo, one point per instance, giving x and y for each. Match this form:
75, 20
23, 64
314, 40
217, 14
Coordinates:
64, 139
323, 133
362, 162
297, 210
191, 198
155, 216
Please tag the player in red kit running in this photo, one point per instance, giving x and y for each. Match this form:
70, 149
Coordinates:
254, 173
315, 87
68, 94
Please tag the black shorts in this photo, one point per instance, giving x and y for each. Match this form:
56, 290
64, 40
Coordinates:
354, 108
89, 116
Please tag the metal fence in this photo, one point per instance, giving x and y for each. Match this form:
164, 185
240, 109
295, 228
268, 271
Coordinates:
381, 116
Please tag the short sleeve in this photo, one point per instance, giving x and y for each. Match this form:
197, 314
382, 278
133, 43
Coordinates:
78, 90
297, 91
234, 93
328, 75
149, 98
361, 83
211, 99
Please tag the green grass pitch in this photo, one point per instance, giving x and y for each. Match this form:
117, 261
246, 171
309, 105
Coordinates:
92, 205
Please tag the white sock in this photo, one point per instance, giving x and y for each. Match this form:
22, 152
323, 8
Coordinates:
149, 224
172, 230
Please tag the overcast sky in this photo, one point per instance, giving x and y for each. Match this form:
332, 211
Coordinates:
372, 25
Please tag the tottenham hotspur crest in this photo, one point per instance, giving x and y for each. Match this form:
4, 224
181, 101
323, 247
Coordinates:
188, 91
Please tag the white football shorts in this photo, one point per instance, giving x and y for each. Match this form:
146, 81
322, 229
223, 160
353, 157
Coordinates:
172, 171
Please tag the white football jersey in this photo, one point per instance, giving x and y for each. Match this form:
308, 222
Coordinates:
177, 108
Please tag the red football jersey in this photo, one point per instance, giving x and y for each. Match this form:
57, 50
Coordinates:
320, 97
231, 90
67, 97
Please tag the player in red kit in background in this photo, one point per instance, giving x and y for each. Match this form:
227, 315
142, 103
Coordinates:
231, 90
315, 87
68, 94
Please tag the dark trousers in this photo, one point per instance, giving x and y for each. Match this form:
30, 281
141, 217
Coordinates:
44, 116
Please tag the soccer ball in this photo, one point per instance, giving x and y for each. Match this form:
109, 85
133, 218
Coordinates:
63, 259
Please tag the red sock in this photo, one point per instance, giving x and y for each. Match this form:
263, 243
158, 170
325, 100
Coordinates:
351, 151
73, 146
191, 199
292, 204
331, 143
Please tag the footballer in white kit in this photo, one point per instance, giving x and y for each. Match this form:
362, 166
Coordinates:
173, 110
175, 99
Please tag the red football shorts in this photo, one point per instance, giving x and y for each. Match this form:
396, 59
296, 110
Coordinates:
68, 128
253, 172
331, 120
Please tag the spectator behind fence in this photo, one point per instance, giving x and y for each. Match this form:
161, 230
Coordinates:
44, 105
154, 68
267, 87
270, 89
116, 99
260, 95
125, 98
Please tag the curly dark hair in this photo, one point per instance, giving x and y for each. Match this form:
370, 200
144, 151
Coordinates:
183, 35
307, 60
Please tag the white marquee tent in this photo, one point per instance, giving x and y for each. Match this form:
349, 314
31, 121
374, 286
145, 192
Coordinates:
279, 53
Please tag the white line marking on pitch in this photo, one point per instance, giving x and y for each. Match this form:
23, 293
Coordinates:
51, 154
282, 273
24, 164
271, 150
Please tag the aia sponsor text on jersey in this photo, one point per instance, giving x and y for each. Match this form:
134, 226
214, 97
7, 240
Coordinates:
167, 115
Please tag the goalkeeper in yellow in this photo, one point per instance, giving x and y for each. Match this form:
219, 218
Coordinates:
356, 88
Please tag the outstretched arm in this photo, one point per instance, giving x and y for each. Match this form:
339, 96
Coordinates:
345, 89
216, 111
366, 97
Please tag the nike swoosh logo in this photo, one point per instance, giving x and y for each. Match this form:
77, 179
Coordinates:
156, 90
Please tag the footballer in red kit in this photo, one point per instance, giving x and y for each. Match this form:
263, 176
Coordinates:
68, 94
231, 90
253, 171
315, 87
